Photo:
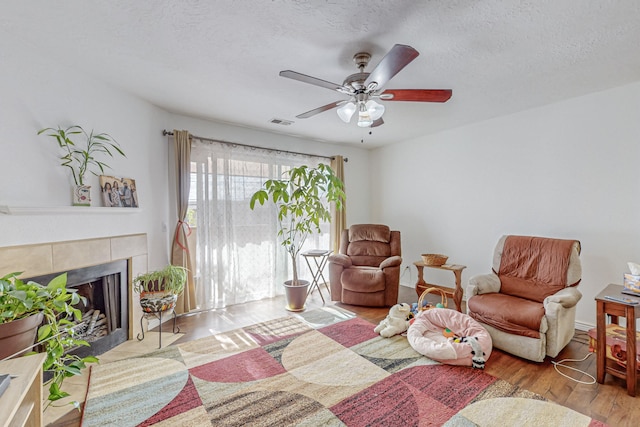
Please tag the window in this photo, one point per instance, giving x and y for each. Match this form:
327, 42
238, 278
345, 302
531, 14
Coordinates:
238, 257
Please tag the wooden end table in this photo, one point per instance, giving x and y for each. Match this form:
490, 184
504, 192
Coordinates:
456, 293
614, 309
21, 403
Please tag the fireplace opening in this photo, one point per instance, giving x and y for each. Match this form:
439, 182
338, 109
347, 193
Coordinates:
105, 316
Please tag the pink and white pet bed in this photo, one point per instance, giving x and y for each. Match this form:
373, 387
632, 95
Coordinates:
450, 337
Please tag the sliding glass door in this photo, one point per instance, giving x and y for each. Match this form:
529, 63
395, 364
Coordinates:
237, 255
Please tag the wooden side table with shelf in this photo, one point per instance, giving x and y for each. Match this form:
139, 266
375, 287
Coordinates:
615, 309
21, 402
455, 293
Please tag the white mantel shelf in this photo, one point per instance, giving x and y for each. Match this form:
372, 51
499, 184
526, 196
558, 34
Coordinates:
64, 210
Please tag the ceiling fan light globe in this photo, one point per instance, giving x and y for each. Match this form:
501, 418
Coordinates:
374, 109
365, 123
364, 118
346, 111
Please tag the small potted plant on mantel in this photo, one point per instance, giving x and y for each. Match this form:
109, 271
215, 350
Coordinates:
27, 307
301, 197
82, 160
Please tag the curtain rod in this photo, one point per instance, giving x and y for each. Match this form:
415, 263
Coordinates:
169, 133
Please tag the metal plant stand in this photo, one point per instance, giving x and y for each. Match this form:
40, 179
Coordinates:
154, 305
319, 257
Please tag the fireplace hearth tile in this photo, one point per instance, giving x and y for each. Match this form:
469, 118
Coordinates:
128, 246
134, 347
70, 255
32, 260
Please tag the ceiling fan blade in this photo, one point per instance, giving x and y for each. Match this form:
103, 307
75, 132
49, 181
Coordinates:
395, 60
320, 110
377, 123
417, 95
314, 81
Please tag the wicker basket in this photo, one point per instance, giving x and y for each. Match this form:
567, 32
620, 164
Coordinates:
434, 259
423, 307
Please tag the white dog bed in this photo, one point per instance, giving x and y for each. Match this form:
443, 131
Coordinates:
426, 336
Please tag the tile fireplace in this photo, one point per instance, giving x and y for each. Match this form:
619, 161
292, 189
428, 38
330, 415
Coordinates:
83, 259
105, 313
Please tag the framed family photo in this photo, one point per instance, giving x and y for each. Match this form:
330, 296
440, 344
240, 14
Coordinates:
118, 192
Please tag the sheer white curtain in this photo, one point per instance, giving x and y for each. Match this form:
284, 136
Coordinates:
238, 256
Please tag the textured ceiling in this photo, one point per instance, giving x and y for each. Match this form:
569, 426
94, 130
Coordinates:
220, 59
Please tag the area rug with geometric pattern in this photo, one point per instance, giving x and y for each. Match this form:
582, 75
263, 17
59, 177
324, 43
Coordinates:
324, 367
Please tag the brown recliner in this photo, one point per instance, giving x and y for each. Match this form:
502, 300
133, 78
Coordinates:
367, 269
528, 303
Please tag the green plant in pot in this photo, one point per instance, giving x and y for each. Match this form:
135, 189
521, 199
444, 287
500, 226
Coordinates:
81, 159
302, 198
27, 307
159, 290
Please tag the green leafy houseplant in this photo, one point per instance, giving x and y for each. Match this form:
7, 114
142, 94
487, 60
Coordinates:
159, 290
170, 280
19, 300
83, 159
301, 198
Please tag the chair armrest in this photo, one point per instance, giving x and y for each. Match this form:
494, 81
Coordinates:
483, 284
567, 298
393, 261
340, 259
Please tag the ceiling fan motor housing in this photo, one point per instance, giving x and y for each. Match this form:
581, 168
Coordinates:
356, 81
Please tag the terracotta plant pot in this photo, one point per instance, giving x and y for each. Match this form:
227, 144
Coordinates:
19, 335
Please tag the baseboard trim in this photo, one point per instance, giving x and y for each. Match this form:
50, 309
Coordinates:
583, 326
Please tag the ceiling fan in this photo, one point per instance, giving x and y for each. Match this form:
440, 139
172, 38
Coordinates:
364, 89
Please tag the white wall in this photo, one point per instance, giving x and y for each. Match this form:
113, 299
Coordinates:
37, 93
567, 170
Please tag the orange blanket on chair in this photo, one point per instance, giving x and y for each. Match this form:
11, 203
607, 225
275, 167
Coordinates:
534, 267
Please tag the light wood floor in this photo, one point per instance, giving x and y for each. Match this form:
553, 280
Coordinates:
606, 402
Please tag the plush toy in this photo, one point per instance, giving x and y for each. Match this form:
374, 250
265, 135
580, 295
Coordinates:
477, 361
414, 307
396, 321
425, 303
448, 333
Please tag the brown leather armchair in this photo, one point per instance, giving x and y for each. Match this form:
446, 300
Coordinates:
528, 303
367, 269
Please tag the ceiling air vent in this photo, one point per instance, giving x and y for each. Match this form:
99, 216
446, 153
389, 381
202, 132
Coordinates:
282, 122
